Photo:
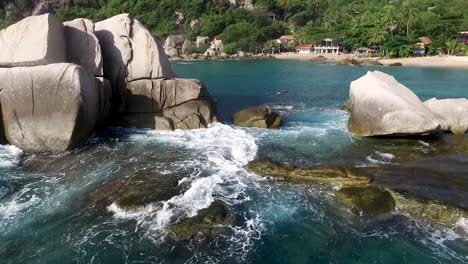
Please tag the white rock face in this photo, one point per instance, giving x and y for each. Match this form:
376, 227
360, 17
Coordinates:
453, 112
48, 108
130, 52
173, 45
82, 46
35, 40
381, 106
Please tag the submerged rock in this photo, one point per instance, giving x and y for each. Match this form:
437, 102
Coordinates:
368, 200
35, 40
433, 210
208, 223
320, 174
381, 106
262, 117
453, 112
350, 62
319, 58
48, 108
395, 64
137, 190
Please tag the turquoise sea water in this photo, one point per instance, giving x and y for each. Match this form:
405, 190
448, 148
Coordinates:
44, 217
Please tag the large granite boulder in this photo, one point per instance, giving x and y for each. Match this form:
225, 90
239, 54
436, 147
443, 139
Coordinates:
173, 45
368, 200
262, 117
185, 102
130, 53
35, 40
381, 106
454, 113
48, 108
195, 25
82, 46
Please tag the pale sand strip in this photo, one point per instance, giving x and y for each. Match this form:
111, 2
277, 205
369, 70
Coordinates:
460, 62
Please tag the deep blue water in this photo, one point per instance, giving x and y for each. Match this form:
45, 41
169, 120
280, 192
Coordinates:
43, 218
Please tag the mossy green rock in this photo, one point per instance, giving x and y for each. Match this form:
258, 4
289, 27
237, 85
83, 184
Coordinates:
368, 200
136, 190
208, 223
320, 174
433, 210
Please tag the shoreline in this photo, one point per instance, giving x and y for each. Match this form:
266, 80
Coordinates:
448, 62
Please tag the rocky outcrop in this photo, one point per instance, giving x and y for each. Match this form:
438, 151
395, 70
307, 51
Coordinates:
262, 117
369, 200
173, 45
44, 7
347, 176
56, 108
184, 103
130, 52
381, 106
195, 25
209, 223
202, 41
82, 46
136, 190
453, 113
60, 81
349, 61
35, 40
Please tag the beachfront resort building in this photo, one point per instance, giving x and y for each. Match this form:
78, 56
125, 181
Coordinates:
364, 52
305, 49
285, 40
463, 37
328, 46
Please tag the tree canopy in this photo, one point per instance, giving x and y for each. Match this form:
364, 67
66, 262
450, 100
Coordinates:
393, 25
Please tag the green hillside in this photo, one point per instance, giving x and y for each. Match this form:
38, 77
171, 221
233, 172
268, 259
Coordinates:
393, 24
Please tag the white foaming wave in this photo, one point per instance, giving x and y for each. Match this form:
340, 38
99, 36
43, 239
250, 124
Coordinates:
19, 202
220, 149
461, 226
382, 158
9, 156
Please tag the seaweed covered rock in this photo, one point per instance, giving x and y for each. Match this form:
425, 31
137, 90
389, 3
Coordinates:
33, 41
320, 174
208, 223
433, 210
381, 106
136, 190
368, 200
260, 116
48, 108
453, 112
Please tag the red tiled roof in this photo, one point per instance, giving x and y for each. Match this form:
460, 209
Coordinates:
287, 37
425, 40
305, 46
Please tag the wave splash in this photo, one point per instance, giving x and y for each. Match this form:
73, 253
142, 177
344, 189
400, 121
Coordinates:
220, 151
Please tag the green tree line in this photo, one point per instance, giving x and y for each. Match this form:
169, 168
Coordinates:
393, 25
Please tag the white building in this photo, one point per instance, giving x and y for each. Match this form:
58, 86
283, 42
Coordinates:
328, 46
305, 49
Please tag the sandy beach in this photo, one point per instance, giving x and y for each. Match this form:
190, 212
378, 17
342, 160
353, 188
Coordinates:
434, 61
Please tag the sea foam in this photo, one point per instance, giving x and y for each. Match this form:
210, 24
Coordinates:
9, 156
220, 150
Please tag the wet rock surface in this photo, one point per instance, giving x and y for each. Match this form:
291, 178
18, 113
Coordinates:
261, 117
368, 200
137, 190
208, 223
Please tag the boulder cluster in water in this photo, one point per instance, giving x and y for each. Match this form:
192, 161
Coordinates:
381, 106
61, 80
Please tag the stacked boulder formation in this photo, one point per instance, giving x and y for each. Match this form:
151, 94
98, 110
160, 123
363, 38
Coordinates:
381, 106
61, 80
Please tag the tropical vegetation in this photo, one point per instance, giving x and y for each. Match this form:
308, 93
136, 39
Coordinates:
391, 25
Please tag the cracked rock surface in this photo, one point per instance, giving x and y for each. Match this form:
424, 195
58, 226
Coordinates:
48, 108
35, 40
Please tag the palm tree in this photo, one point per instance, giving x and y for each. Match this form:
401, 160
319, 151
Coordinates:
378, 36
408, 15
452, 47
